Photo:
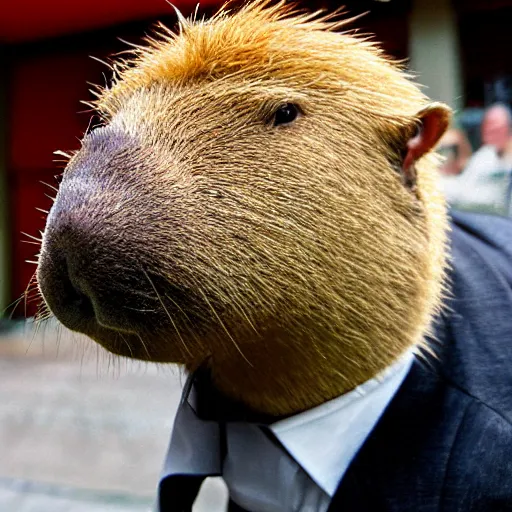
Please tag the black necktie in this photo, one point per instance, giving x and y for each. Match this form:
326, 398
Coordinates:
213, 436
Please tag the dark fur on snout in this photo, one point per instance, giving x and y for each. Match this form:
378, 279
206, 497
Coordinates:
102, 274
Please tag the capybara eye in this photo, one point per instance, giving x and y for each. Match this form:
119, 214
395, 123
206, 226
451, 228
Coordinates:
286, 114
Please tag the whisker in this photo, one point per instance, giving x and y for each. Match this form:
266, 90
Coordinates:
14, 304
234, 300
31, 282
223, 326
126, 343
186, 316
59, 339
30, 344
31, 300
167, 313
43, 317
32, 338
144, 345
63, 153
178, 307
32, 237
37, 326
109, 66
51, 186
140, 310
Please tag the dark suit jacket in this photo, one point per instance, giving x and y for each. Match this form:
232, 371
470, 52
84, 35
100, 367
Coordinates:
444, 443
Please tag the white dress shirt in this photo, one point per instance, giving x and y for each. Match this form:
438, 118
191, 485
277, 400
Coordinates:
325, 439
300, 470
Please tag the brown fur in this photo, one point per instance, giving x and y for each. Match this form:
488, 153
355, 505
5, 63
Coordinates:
311, 265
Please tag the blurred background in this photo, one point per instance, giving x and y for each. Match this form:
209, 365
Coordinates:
80, 430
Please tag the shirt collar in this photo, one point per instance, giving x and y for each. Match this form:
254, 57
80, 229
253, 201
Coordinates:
325, 439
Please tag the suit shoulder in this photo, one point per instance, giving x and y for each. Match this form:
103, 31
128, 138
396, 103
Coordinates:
479, 471
474, 332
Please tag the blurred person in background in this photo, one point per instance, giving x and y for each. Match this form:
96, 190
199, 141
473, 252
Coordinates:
456, 150
497, 131
484, 185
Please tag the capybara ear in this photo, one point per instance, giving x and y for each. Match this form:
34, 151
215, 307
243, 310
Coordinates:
431, 123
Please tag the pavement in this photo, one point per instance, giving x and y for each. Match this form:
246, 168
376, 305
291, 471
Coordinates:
82, 430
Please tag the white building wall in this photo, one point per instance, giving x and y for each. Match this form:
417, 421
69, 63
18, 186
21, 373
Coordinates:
435, 52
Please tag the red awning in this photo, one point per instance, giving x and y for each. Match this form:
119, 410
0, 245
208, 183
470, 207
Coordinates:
33, 19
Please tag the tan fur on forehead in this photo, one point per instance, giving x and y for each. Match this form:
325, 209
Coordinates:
262, 44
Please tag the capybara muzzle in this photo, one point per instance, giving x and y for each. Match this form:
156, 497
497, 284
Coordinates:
96, 266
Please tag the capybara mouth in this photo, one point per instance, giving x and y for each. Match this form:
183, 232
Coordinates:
142, 322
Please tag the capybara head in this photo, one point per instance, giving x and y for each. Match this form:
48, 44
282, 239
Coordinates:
259, 201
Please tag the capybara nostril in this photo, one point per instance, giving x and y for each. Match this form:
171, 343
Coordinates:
83, 276
70, 304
